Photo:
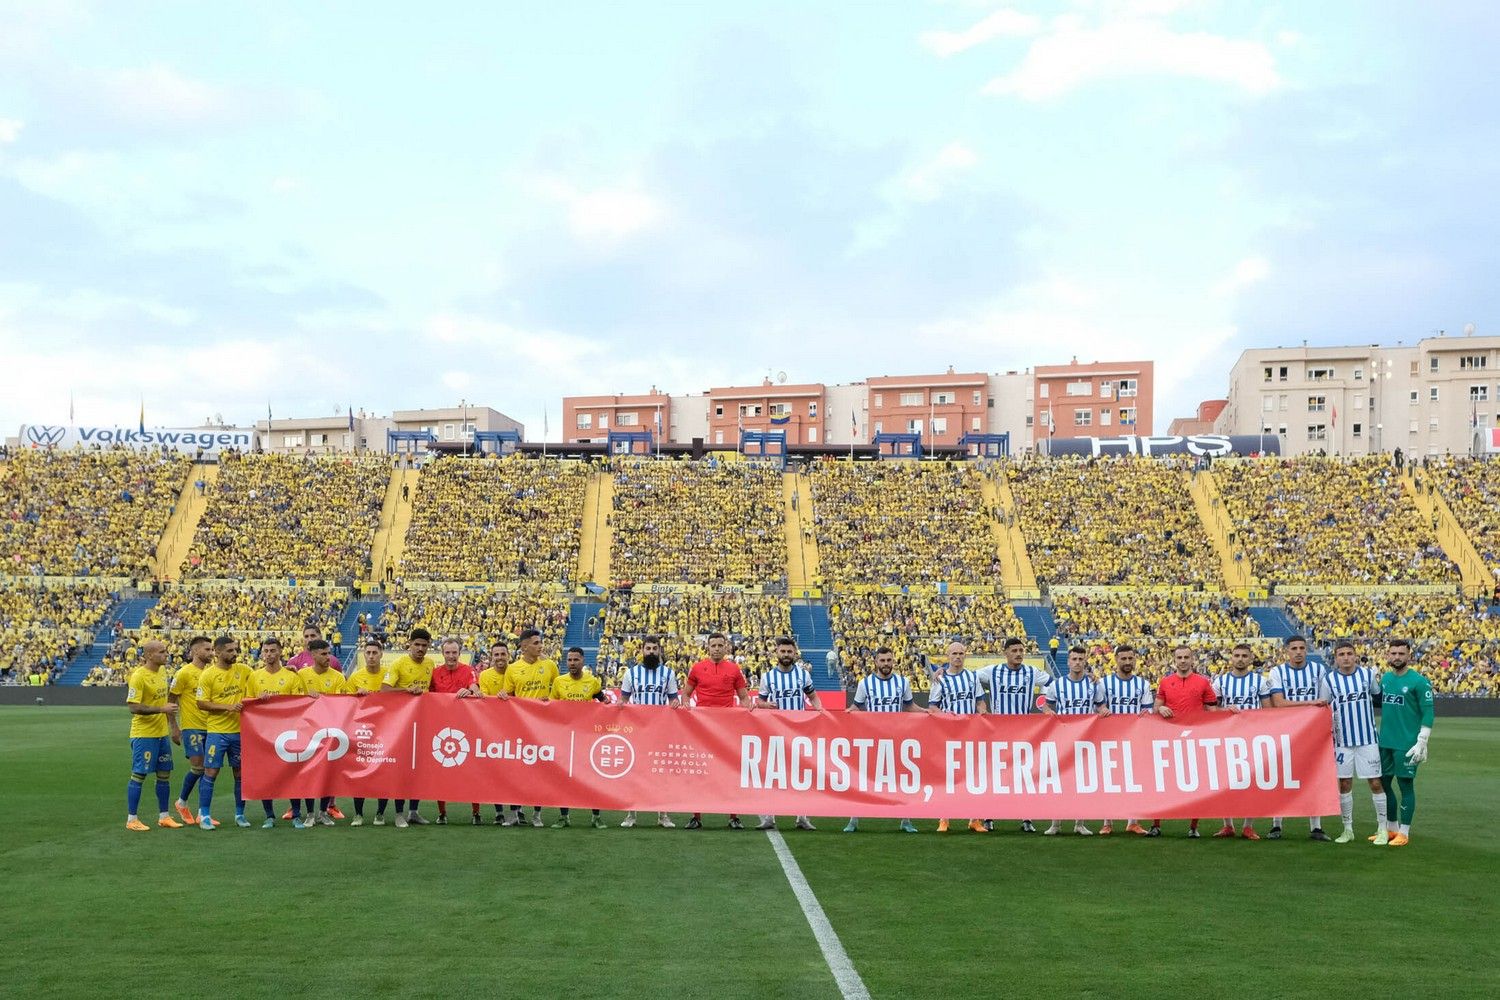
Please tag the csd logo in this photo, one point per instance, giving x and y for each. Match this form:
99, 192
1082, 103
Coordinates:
450, 747
45, 435
337, 737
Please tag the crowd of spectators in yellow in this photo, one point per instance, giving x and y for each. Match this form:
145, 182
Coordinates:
1472, 488
478, 616
215, 610
41, 627
1153, 623
902, 523
918, 629
287, 516
1330, 521
1456, 641
708, 522
1112, 521
683, 621
482, 520
86, 513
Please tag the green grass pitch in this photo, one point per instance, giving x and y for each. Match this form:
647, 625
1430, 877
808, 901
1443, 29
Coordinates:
91, 910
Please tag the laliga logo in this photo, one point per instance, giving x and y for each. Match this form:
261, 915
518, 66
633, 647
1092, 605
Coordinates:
337, 737
450, 747
45, 435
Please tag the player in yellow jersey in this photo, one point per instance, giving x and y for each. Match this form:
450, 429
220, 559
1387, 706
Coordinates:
153, 727
184, 694
274, 678
577, 684
489, 684
362, 681
412, 673
222, 689
531, 676
319, 679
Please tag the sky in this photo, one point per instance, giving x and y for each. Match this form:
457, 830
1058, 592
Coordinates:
224, 208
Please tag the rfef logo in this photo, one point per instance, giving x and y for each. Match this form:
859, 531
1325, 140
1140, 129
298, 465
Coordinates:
612, 756
338, 739
450, 747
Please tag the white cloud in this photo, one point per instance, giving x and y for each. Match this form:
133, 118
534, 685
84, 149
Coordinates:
1003, 23
458, 381
285, 185
928, 180
158, 92
1250, 271
10, 129
1073, 56
602, 216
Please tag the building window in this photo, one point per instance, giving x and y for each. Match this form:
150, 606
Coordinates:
346, 440
989, 404
1359, 400
1413, 427
1268, 373
911, 399
977, 396
1317, 404
1413, 396
719, 410
1479, 393
1432, 423
944, 398
1432, 394
1284, 400
1127, 416
1281, 431
1470, 362
879, 400
1359, 430
878, 428
1045, 387
974, 424
1281, 373
1432, 363
939, 426
1414, 369
718, 437
1105, 416
1359, 374
447, 432
781, 409
603, 421
1317, 432
292, 441
627, 419
469, 431
749, 409
1267, 429
1319, 374
1127, 388
812, 409
812, 435
914, 426
1083, 418
1080, 388
318, 440
1030, 420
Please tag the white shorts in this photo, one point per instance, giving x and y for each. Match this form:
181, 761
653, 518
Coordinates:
1357, 762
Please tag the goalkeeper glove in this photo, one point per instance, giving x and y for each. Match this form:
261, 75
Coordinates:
1418, 752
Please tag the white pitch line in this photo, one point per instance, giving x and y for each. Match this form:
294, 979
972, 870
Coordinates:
844, 974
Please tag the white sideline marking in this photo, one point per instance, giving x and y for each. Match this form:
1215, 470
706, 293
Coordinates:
844, 974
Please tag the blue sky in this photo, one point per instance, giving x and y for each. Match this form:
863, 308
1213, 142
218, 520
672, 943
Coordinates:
319, 205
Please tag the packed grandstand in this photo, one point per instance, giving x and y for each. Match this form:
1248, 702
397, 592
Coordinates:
103, 550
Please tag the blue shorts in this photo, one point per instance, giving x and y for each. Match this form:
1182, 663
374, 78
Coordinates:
192, 742
150, 754
223, 750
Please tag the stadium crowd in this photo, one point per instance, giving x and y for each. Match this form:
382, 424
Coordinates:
1472, 488
284, 516
86, 513
238, 610
1112, 521
478, 616
917, 629
705, 522
683, 619
1331, 521
902, 523
42, 627
1153, 622
502, 519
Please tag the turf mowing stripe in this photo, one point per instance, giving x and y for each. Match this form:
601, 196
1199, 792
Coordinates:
844, 974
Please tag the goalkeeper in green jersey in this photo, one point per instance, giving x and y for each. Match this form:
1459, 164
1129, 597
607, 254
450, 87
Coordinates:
1405, 725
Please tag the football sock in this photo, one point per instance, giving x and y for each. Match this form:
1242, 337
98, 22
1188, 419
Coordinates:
412, 805
1406, 829
133, 794
1346, 808
239, 799
1379, 799
359, 807
1390, 801
1408, 800
190, 781
596, 814
163, 793
563, 812
400, 806
269, 807
1315, 822
205, 794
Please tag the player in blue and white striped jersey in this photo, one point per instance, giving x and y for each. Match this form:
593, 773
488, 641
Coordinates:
649, 682
884, 691
1073, 693
1124, 693
1296, 682
955, 691
1012, 688
1353, 691
1241, 688
787, 686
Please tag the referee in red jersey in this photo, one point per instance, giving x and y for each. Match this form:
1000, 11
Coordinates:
1184, 695
451, 677
716, 682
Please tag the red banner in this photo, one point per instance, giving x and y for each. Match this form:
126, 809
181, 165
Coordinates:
1271, 762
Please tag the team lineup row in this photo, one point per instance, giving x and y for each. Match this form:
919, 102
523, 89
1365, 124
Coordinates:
199, 708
